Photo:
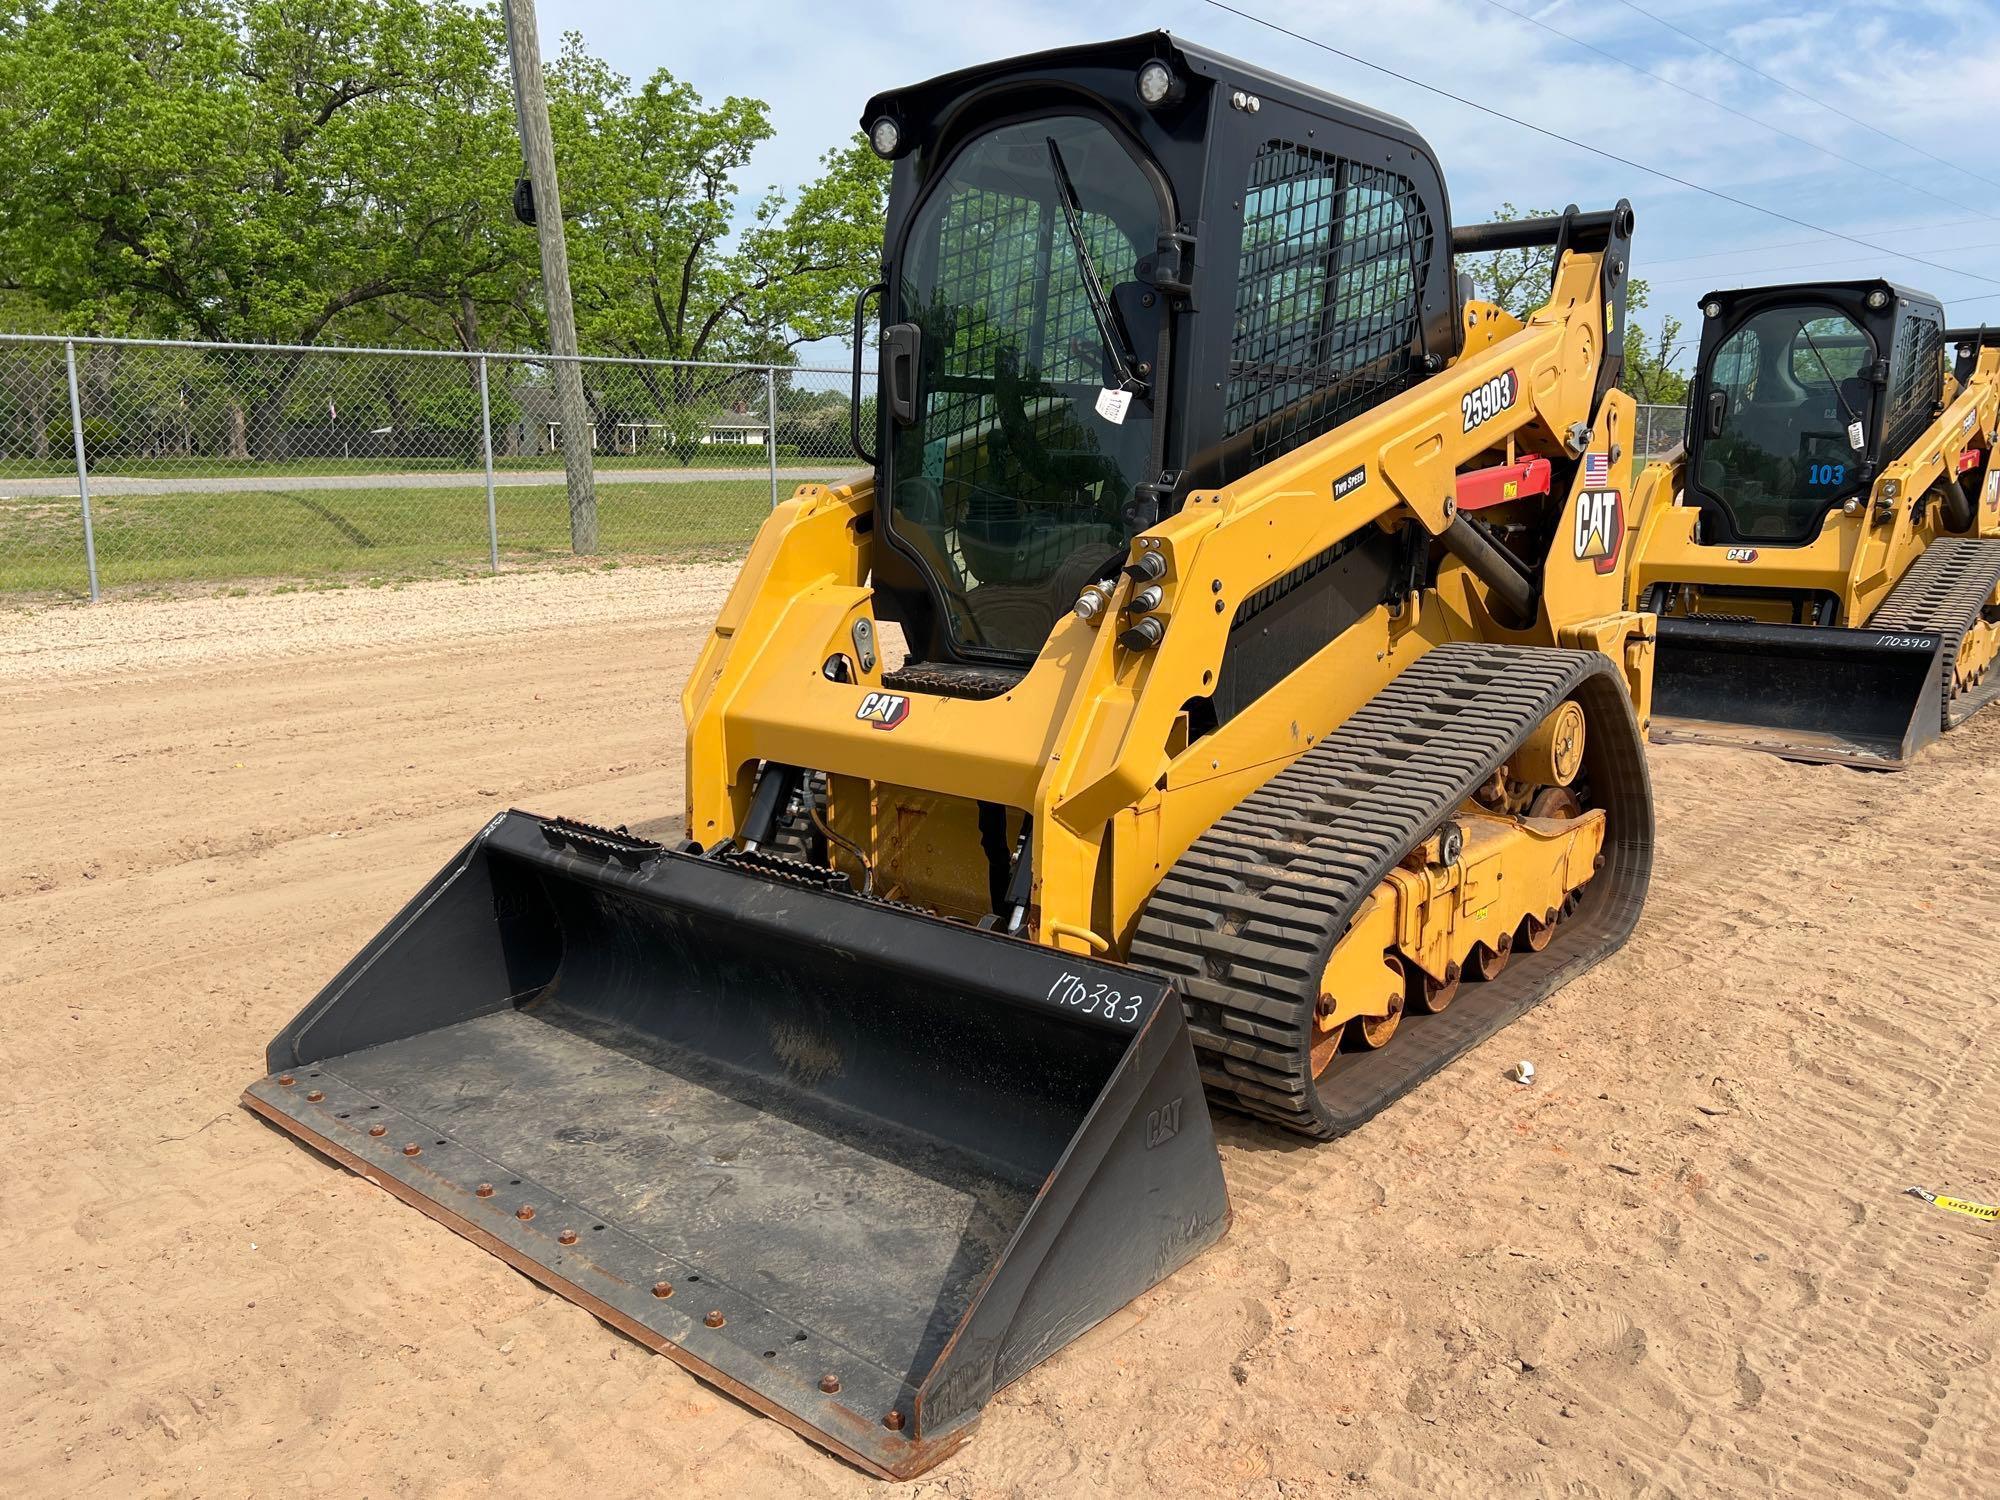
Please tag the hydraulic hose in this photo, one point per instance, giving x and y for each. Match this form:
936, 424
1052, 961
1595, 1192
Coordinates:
1493, 566
1957, 507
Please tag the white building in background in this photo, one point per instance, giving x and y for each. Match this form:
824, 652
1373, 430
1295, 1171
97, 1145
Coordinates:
635, 437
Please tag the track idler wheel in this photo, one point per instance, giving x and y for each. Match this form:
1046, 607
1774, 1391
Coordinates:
1360, 1034
1535, 934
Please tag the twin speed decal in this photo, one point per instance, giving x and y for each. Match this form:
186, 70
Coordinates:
884, 710
1600, 528
1484, 402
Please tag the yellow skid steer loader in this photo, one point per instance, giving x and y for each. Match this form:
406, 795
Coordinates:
1222, 692
1824, 551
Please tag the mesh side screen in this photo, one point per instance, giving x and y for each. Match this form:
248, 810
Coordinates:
1329, 297
1919, 381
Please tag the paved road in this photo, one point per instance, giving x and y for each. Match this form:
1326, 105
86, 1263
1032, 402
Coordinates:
158, 484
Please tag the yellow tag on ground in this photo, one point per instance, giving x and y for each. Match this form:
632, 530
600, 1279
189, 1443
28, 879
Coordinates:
1987, 1211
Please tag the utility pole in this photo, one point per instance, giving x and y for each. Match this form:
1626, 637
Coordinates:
531, 107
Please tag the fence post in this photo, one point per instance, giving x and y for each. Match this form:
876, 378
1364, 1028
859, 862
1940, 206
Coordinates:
82, 467
486, 443
771, 427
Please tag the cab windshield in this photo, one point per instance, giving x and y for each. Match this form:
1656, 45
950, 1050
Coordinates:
1031, 427
1786, 421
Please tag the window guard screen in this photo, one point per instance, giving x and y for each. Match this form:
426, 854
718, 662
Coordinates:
1329, 298
1919, 382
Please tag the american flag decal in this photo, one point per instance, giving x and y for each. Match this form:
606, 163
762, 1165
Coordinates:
1596, 469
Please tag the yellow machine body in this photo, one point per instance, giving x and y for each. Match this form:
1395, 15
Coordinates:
1092, 742
1847, 646
1859, 555
1229, 654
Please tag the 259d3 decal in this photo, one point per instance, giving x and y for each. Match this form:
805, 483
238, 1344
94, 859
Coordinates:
1486, 401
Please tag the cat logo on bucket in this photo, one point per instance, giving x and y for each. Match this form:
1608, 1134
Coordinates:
1163, 1124
884, 710
1600, 528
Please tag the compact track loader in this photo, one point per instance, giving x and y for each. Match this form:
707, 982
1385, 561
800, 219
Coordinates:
1222, 691
1824, 551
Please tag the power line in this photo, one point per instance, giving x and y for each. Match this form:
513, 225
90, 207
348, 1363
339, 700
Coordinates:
1740, 114
1801, 93
1674, 260
1808, 265
1623, 161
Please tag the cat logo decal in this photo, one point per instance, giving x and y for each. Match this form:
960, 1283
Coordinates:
1600, 528
884, 710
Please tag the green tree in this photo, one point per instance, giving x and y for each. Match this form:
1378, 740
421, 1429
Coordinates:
250, 172
256, 172
665, 261
660, 270
1649, 372
299, 171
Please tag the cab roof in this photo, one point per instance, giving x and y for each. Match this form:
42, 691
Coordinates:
925, 100
1800, 290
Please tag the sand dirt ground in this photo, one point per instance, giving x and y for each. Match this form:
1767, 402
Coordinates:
1682, 1264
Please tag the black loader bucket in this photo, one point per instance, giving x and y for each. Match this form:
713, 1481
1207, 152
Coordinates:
1806, 692
855, 1165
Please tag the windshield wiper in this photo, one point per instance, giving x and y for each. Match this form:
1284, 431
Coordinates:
1852, 415
1122, 357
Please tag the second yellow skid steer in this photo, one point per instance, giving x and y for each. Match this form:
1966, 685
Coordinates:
1824, 553
1221, 691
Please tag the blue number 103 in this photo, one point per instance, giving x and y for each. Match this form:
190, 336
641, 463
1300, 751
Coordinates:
1827, 474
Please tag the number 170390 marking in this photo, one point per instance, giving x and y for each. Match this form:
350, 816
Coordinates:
1094, 999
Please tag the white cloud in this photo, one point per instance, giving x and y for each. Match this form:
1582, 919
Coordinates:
1923, 70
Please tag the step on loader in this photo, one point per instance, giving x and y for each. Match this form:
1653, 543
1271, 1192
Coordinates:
1823, 552
1220, 694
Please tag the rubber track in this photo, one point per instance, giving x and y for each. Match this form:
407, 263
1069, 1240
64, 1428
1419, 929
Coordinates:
1245, 920
1942, 594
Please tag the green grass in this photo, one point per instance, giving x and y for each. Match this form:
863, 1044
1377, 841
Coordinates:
543, 463
327, 535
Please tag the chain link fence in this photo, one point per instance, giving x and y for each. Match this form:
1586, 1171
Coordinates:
1661, 430
127, 463
136, 464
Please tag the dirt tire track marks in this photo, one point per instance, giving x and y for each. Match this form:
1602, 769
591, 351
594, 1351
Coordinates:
1487, 1289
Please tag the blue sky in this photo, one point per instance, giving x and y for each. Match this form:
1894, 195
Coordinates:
1928, 72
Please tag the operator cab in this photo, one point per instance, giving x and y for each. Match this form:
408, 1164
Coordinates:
1070, 237
1802, 394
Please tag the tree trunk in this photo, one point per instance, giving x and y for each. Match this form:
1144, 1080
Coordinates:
38, 420
267, 411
